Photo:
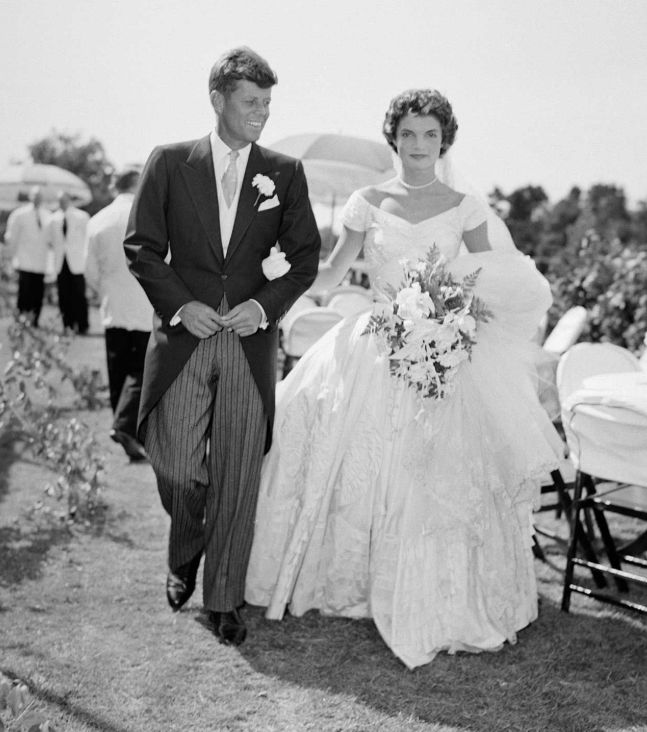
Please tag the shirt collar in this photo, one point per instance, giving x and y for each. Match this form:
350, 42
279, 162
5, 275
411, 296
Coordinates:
220, 151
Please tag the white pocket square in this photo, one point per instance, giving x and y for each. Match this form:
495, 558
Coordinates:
270, 203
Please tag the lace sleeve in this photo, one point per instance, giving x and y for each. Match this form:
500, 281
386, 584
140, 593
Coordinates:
474, 212
356, 213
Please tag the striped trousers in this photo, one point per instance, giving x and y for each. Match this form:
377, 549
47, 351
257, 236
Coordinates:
205, 441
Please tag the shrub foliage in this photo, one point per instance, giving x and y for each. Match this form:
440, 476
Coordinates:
32, 413
593, 250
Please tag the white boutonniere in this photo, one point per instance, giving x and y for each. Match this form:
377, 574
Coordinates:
276, 265
264, 185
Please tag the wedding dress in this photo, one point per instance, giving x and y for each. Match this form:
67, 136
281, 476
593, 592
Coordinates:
414, 512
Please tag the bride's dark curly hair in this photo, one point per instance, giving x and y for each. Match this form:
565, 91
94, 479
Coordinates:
421, 102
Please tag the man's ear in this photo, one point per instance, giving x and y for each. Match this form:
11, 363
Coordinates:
217, 101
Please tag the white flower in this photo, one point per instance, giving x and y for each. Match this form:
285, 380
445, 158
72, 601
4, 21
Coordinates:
264, 184
467, 325
450, 292
414, 304
452, 358
276, 265
425, 347
443, 334
418, 372
427, 330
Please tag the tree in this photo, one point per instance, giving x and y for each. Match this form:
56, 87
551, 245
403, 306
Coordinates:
526, 203
605, 212
557, 223
85, 158
525, 218
639, 223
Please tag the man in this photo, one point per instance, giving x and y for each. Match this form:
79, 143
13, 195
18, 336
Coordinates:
217, 206
126, 313
67, 234
27, 235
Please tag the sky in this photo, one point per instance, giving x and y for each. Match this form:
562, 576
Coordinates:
546, 92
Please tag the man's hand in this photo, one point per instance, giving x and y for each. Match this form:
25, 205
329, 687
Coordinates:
244, 319
200, 319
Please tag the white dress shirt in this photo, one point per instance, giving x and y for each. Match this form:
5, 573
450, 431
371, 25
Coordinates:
29, 243
123, 301
220, 153
70, 246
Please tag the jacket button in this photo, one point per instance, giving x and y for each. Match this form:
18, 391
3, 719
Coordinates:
223, 277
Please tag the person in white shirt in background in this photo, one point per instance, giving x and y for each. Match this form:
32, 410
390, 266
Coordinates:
27, 235
126, 312
68, 227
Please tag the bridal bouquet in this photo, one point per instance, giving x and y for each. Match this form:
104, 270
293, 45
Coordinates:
428, 326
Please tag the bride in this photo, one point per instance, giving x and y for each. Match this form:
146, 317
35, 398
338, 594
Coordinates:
378, 503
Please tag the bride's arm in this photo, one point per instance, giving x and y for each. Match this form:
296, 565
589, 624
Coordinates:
477, 240
332, 271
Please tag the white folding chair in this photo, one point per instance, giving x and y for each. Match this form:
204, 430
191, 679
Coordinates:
588, 359
305, 329
566, 331
643, 360
350, 303
607, 441
555, 495
302, 303
345, 290
540, 335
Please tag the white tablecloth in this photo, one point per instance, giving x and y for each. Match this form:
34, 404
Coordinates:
606, 426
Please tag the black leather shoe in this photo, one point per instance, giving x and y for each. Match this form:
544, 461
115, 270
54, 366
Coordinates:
133, 448
229, 626
181, 583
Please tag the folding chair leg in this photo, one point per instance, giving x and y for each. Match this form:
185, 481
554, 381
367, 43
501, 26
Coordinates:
591, 556
590, 525
562, 492
587, 482
579, 534
570, 566
537, 550
609, 546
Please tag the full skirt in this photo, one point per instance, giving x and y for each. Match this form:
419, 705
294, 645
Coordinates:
416, 513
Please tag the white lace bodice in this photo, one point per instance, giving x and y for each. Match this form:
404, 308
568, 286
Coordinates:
390, 238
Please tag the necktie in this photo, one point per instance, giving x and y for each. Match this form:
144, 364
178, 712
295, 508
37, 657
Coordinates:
37, 218
64, 225
230, 178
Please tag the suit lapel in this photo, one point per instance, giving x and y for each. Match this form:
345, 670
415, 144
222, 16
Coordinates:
201, 180
247, 209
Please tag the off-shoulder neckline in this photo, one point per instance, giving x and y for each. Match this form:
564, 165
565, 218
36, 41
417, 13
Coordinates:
411, 223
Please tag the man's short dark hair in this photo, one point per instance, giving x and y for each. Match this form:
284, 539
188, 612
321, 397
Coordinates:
126, 179
240, 63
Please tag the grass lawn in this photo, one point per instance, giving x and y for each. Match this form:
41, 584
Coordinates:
85, 625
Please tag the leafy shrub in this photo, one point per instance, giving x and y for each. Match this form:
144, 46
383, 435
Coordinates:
609, 279
29, 388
